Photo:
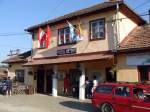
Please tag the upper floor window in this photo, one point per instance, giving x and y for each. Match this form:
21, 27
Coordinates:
64, 37
97, 29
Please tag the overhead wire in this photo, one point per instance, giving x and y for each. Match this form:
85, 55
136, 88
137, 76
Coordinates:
52, 29
55, 8
13, 34
142, 4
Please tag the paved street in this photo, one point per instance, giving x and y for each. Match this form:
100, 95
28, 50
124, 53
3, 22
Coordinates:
42, 103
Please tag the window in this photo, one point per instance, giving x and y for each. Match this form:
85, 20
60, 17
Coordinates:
64, 37
43, 44
20, 75
144, 73
97, 29
122, 91
104, 89
142, 94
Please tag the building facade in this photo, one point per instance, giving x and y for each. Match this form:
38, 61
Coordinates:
100, 29
134, 56
16, 70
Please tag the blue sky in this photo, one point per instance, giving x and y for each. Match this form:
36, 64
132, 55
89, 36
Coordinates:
17, 15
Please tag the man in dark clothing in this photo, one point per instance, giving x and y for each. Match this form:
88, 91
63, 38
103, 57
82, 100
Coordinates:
9, 86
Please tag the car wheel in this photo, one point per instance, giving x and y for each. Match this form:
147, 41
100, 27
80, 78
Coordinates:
106, 107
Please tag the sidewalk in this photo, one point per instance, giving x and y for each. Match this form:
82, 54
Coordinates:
43, 103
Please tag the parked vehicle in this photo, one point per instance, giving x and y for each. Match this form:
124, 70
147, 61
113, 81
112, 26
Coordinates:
3, 86
119, 97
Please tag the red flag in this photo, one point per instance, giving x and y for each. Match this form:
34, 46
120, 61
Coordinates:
41, 36
48, 35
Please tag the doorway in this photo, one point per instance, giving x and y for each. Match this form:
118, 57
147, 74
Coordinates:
144, 73
40, 81
110, 75
74, 75
49, 74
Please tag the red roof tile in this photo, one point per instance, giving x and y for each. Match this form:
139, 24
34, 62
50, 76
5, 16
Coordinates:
138, 39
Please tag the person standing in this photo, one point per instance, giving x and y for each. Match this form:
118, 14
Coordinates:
66, 85
88, 88
9, 86
95, 83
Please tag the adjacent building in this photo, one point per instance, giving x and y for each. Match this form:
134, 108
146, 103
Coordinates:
17, 71
133, 57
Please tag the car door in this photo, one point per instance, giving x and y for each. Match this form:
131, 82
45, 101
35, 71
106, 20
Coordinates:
140, 101
121, 99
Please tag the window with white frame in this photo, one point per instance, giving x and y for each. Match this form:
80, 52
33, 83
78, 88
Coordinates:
64, 36
97, 29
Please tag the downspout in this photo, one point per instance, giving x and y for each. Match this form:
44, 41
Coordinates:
116, 36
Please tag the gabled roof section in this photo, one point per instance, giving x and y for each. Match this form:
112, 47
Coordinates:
99, 8
21, 58
138, 39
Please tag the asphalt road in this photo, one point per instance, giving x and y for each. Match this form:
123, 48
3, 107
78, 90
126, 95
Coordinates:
43, 103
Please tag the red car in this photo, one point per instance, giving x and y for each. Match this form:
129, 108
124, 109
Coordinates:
122, 97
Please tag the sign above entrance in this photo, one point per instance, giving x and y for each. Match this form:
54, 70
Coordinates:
66, 51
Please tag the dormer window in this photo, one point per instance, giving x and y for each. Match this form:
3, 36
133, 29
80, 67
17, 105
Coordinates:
97, 29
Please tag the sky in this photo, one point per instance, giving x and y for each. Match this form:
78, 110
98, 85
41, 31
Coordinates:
17, 15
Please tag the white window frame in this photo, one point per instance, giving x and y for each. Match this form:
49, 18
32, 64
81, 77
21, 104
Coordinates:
91, 29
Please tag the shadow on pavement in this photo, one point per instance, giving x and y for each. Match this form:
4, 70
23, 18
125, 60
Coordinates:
82, 106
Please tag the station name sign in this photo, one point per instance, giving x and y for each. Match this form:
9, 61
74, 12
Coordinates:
66, 51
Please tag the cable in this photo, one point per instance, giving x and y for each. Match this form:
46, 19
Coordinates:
141, 4
13, 34
55, 8
54, 28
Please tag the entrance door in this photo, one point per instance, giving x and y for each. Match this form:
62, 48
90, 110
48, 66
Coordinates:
74, 79
40, 81
144, 73
110, 76
49, 74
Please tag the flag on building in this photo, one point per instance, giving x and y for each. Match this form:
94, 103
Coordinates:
48, 36
72, 32
79, 32
44, 37
41, 36
75, 33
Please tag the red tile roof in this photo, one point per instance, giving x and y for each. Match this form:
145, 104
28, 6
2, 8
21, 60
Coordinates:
18, 58
139, 38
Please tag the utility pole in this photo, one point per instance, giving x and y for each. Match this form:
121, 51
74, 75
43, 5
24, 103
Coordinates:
149, 16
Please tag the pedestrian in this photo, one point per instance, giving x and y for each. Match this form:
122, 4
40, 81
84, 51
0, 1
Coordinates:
95, 83
9, 86
88, 88
66, 84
